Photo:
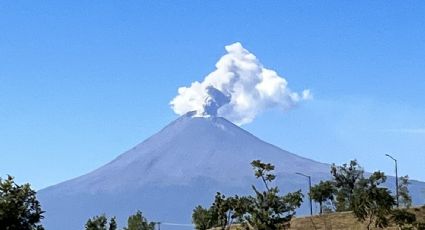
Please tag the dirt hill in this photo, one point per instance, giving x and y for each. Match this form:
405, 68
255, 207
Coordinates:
339, 221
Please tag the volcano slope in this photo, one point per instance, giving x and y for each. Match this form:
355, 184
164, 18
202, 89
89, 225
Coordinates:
170, 173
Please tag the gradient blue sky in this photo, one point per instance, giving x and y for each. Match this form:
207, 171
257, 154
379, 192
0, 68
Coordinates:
83, 81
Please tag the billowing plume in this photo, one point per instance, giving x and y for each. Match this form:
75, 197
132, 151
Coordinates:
238, 90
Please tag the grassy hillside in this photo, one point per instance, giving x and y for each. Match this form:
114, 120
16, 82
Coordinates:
341, 221
338, 221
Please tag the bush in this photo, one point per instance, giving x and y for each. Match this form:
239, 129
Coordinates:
402, 218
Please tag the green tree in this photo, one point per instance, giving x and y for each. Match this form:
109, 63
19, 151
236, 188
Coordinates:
219, 210
113, 224
405, 199
222, 213
101, 223
345, 178
227, 211
202, 218
268, 210
139, 222
322, 192
19, 208
372, 204
241, 207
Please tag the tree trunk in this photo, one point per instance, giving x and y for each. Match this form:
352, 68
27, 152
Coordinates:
320, 205
370, 223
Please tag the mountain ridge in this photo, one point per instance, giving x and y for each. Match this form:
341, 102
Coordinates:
174, 170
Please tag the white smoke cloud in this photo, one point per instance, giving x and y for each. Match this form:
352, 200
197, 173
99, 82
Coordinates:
238, 90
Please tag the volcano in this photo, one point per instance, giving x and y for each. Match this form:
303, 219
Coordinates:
167, 175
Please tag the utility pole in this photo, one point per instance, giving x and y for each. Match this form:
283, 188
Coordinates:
396, 177
309, 193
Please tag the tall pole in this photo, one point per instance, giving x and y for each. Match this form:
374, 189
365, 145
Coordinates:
309, 193
396, 177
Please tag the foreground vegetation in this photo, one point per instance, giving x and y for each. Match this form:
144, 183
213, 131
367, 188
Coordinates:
135, 222
265, 210
349, 190
19, 208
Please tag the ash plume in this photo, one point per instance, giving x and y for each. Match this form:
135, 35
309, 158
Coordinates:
239, 89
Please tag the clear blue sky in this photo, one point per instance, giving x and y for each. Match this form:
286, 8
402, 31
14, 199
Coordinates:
83, 81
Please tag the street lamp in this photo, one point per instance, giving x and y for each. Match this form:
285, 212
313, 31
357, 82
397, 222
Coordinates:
309, 185
396, 176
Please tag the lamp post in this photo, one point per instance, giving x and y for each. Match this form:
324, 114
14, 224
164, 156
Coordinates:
396, 176
309, 186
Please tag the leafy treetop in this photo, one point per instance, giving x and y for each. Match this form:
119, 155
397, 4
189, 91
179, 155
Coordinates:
19, 207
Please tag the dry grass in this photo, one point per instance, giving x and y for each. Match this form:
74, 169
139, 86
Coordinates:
338, 221
341, 221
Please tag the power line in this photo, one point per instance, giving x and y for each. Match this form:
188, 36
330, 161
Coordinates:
177, 224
